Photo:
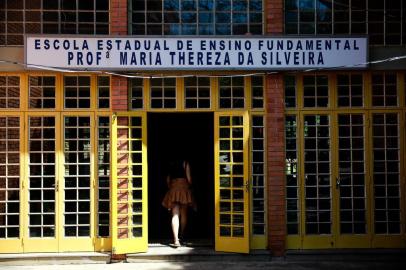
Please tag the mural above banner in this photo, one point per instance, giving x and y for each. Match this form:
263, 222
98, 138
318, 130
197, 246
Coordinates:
182, 53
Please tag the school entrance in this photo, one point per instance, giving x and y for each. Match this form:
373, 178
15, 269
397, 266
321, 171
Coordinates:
207, 121
223, 200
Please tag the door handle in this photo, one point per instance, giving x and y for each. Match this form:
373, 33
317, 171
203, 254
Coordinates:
338, 182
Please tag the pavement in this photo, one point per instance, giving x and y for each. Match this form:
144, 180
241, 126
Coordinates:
191, 258
224, 265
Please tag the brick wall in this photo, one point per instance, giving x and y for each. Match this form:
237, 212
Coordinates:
118, 17
119, 93
274, 16
118, 26
276, 164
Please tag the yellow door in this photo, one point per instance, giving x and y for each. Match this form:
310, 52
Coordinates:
129, 185
77, 230
351, 182
231, 182
317, 182
11, 222
40, 232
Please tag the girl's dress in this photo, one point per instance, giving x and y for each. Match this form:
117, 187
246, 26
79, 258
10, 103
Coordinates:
179, 188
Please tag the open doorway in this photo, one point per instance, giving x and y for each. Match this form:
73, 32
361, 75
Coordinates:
191, 135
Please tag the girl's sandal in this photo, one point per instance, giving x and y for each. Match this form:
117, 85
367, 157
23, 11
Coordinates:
175, 245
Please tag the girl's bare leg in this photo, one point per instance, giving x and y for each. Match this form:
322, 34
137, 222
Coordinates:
175, 223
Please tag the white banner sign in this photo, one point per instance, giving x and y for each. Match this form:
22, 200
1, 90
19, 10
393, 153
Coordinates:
180, 53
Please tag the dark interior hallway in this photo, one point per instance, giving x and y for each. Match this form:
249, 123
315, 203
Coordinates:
187, 135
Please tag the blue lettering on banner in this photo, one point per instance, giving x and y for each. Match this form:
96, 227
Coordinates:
178, 53
37, 44
140, 59
56, 44
81, 59
46, 44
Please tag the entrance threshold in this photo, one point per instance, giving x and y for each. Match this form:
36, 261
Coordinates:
207, 243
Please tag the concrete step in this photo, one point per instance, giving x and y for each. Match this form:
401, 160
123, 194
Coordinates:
54, 258
190, 254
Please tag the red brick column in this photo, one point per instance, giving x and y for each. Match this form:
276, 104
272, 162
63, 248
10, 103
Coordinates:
276, 164
274, 16
276, 140
119, 93
119, 26
118, 17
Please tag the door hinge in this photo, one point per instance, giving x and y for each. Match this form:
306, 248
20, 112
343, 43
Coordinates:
57, 187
